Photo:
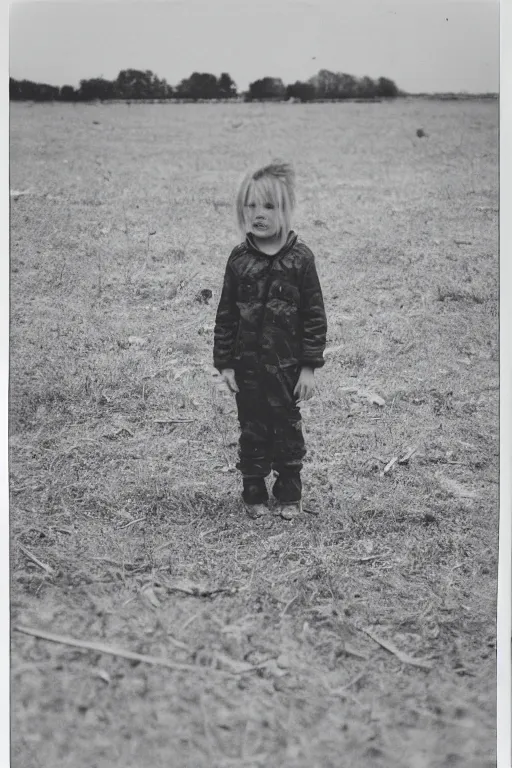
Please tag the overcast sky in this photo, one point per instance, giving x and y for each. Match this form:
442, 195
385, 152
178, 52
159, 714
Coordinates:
423, 45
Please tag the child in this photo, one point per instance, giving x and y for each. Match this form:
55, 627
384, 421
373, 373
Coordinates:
269, 337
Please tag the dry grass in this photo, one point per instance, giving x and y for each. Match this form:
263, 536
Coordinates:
124, 508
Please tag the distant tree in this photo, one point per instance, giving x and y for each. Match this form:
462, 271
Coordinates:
366, 88
97, 88
226, 87
387, 89
68, 93
325, 84
200, 85
301, 91
139, 84
14, 90
136, 84
346, 86
166, 89
30, 91
268, 88
334, 85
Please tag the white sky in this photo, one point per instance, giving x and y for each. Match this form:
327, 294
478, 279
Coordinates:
424, 45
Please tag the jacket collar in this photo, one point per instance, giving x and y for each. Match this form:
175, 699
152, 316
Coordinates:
290, 242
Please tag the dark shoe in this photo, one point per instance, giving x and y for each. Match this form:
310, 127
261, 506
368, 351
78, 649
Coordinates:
288, 487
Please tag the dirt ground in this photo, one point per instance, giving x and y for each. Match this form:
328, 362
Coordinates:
362, 634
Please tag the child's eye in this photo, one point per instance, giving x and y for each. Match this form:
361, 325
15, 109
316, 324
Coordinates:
269, 206
251, 205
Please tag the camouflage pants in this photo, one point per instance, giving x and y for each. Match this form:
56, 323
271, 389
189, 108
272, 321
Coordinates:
271, 433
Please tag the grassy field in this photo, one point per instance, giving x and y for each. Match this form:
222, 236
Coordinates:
361, 635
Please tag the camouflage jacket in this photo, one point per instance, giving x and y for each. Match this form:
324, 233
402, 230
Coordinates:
271, 309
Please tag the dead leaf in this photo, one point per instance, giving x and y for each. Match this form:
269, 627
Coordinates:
376, 399
149, 594
103, 676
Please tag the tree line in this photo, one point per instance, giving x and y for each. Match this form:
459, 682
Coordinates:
133, 84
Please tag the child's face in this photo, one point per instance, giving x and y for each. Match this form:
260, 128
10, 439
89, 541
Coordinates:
262, 216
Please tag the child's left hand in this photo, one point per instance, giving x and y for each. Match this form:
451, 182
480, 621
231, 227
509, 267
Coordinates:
305, 388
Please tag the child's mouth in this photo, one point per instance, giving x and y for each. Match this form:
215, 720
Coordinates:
260, 226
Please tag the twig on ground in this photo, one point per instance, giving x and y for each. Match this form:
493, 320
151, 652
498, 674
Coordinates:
132, 522
463, 242
288, 604
123, 565
403, 657
354, 652
389, 466
352, 682
189, 621
173, 421
113, 651
48, 569
200, 592
408, 454
178, 643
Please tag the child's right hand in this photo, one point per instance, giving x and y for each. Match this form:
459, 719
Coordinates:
228, 375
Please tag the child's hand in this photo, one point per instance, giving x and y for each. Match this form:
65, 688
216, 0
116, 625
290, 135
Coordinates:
228, 376
305, 388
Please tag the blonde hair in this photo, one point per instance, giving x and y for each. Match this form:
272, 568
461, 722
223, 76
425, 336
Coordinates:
274, 183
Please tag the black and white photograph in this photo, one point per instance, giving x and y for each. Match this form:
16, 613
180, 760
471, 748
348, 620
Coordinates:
254, 384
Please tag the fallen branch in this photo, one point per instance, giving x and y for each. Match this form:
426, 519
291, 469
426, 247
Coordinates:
112, 650
48, 569
463, 242
403, 657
